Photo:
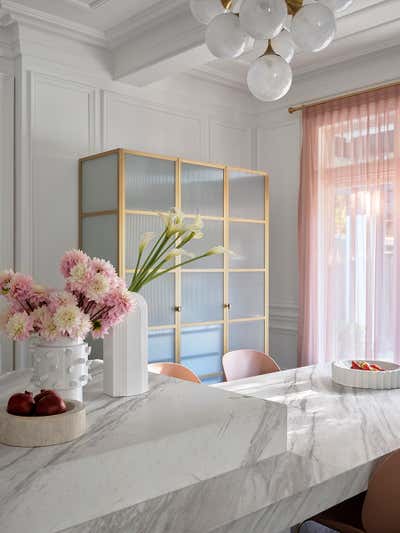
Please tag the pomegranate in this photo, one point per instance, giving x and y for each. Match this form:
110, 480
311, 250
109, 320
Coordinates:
44, 393
50, 404
21, 404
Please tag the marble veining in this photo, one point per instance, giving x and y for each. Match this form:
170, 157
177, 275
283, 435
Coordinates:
136, 449
335, 437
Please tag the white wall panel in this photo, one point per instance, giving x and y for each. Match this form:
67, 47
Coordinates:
230, 144
6, 196
279, 152
62, 130
135, 125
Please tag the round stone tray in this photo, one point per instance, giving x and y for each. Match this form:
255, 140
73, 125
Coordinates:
35, 431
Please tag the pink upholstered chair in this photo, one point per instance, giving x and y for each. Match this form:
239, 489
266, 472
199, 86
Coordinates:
174, 370
377, 510
247, 363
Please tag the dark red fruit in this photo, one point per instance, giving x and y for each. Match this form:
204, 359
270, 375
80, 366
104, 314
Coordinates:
44, 393
21, 404
50, 404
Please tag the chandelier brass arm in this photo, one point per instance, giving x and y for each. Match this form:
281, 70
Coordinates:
293, 5
227, 3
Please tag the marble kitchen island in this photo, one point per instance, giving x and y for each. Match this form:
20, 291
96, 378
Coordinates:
187, 458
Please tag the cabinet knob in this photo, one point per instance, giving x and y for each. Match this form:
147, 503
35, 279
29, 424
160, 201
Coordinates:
227, 306
178, 308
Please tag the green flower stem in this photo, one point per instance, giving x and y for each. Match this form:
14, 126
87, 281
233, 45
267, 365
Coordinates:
140, 276
137, 287
155, 248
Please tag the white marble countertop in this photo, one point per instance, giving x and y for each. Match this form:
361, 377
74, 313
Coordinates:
136, 449
139, 470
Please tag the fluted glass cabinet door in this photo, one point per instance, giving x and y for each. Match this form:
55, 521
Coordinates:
202, 190
100, 237
135, 227
202, 297
247, 336
149, 183
213, 235
160, 297
247, 241
247, 195
247, 294
202, 348
99, 184
161, 345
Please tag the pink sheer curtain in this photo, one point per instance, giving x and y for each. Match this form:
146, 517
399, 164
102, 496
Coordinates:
349, 230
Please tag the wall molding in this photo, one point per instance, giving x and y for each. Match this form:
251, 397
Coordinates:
6, 196
284, 318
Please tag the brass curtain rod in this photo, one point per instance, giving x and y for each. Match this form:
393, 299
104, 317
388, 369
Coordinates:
343, 96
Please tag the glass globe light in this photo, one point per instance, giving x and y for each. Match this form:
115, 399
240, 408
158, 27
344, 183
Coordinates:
313, 27
337, 5
269, 77
263, 19
284, 46
205, 10
225, 37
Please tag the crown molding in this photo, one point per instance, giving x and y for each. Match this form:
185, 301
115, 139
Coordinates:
155, 16
21, 14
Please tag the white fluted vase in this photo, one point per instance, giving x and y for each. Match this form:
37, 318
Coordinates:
61, 365
126, 353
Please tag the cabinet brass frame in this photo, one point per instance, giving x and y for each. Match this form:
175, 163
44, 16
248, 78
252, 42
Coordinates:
226, 219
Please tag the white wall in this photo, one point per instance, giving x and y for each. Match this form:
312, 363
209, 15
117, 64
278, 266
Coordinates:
63, 114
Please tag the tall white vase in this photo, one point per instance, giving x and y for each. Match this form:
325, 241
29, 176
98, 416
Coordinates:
126, 353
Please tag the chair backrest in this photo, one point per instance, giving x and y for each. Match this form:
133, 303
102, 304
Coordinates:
246, 363
174, 370
381, 509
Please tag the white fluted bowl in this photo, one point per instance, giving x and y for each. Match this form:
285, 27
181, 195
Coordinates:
389, 378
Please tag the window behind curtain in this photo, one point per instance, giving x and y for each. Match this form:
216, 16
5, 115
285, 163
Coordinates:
348, 229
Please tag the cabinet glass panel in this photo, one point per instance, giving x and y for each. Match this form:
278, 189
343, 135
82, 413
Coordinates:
135, 227
247, 195
160, 297
213, 380
202, 297
202, 349
247, 241
247, 336
202, 190
246, 294
100, 237
100, 184
150, 183
161, 346
213, 236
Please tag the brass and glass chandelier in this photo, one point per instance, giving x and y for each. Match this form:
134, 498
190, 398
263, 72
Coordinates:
233, 26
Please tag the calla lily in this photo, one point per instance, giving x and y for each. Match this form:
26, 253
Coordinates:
169, 245
145, 240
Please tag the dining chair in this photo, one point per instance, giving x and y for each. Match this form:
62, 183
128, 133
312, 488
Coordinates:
376, 511
174, 370
247, 363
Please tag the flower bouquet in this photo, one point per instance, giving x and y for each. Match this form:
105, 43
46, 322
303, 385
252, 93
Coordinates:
93, 301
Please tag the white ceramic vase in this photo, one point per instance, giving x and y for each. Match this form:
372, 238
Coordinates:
61, 365
126, 353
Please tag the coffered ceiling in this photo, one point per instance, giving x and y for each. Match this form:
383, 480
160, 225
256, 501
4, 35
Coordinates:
153, 39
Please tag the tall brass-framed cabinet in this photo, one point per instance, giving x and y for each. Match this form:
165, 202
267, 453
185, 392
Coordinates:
220, 303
